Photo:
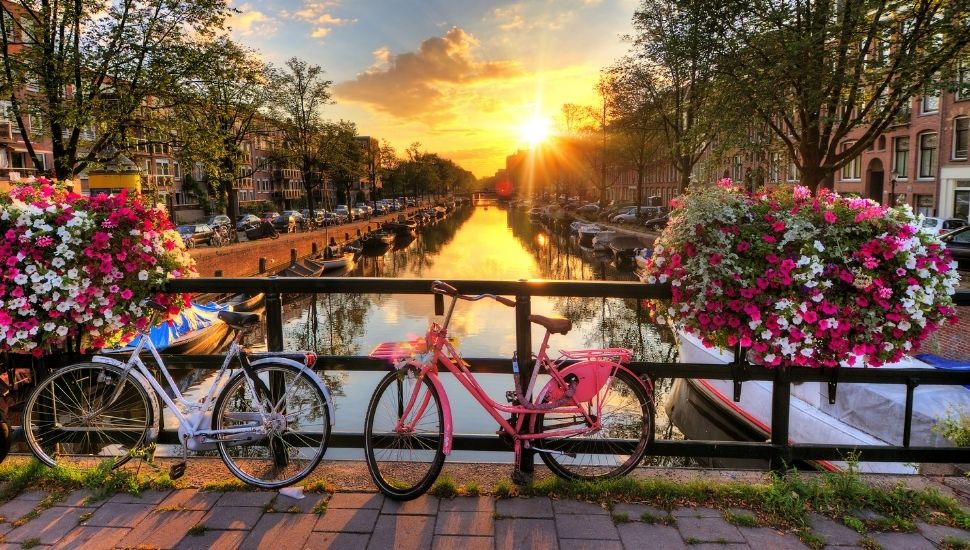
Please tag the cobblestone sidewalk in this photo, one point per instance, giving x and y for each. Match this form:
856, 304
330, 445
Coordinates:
189, 519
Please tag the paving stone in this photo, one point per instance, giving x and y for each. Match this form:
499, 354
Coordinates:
92, 538
117, 514
400, 532
303, 505
708, 530
467, 504
276, 531
5, 528
356, 501
516, 533
637, 536
447, 542
215, 540
35, 495
719, 546
232, 517
695, 513
764, 537
49, 527
936, 533
833, 532
337, 541
144, 497
868, 515
578, 507
162, 529
465, 523
902, 541
77, 498
584, 544
636, 511
245, 498
571, 526
424, 505
190, 499
522, 508
17, 508
843, 548
347, 520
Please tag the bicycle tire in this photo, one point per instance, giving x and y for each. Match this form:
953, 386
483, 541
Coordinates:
392, 474
58, 425
256, 460
639, 420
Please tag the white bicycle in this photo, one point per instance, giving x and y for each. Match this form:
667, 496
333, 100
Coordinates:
270, 421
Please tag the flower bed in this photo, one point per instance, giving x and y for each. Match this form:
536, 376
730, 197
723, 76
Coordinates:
76, 266
802, 280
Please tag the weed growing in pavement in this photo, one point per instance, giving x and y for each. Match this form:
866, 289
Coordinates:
620, 517
30, 543
504, 489
472, 489
692, 540
223, 486
293, 509
319, 486
740, 519
647, 517
812, 539
954, 543
102, 480
320, 508
444, 487
84, 517
197, 530
854, 523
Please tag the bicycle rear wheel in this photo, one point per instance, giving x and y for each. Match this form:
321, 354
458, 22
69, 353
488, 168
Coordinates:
616, 448
283, 447
70, 420
405, 461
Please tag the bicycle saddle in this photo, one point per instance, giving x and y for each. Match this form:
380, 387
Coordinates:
555, 325
239, 321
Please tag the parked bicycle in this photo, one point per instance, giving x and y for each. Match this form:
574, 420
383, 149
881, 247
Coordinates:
270, 421
593, 419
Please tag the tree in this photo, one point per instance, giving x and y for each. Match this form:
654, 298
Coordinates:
84, 72
300, 92
818, 71
675, 48
341, 156
217, 110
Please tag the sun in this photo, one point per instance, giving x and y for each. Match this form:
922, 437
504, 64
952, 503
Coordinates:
535, 130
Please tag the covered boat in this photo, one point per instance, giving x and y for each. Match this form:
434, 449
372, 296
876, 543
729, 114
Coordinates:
586, 234
863, 414
195, 331
601, 241
624, 247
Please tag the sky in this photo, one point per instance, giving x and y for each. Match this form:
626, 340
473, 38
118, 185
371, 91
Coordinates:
462, 77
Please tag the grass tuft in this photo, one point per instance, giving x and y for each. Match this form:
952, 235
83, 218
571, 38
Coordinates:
504, 489
197, 530
741, 519
444, 487
223, 486
812, 539
620, 517
954, 543
320, 508
472, 489
30, 543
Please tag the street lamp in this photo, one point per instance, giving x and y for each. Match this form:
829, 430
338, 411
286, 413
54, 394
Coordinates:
892, 187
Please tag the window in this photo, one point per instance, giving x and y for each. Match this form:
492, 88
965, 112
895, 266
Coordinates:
793, 174
773, 168
6, 111
161, 168
961, 204
960, 130
924, 204
737, 169
901, 156
927, 155
852, 170
963, 80
930, 103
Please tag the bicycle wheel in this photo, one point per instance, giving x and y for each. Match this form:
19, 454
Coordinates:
404, 462
283, 447
68, 419
613, 450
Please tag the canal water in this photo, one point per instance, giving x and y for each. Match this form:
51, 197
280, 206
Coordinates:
474, 242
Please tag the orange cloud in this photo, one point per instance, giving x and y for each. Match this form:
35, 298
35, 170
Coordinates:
420, 83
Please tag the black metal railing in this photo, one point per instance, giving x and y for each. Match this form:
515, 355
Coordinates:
778, 450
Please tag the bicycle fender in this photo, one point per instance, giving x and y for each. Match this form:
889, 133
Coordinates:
309, 372
445, 405
149, 390
591, 374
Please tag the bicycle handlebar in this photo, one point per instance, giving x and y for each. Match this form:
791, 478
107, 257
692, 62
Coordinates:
441, 287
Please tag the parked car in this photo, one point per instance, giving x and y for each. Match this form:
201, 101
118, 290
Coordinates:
368, 209
194, 234
657, 223
410, 202
220, 220
938, 226
343, 211
331, 218
269, 215
380, 209
958, 243
589, 209
359, 213
246, 222
317, 215
286, 222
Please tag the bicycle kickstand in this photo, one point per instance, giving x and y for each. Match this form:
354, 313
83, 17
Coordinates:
177, 470
519, 477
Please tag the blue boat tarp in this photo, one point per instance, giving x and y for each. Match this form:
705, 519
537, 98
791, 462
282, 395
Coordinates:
196, 317
944, 364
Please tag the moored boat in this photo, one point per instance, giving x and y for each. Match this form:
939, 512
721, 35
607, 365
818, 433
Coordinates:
586, 233
624, 248
602, 240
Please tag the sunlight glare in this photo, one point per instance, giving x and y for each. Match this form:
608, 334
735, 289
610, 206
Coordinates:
535, 130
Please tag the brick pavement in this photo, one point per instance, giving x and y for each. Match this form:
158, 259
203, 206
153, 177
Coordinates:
188, 519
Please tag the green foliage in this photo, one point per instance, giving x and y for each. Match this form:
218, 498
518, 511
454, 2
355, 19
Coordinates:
954, 543
444, 487
504, 489
197, 530
854, 523
740, 519
472, 489
956, 428
620, 517
812, 539
30, 543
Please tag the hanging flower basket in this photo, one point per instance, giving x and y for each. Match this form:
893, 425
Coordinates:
801, 280
76, 267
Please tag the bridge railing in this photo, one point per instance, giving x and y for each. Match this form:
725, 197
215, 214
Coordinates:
778, 449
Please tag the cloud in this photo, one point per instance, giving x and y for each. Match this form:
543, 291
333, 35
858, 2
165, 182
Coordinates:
317, 14
250, 22
521, 17
428, 82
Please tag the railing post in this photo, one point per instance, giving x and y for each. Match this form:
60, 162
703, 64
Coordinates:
780, 405
262, 265
292, 256
523, 349
274, 321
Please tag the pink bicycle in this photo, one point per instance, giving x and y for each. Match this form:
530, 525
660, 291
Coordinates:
592, 419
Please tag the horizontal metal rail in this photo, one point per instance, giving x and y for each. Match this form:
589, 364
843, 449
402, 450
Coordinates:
778, 450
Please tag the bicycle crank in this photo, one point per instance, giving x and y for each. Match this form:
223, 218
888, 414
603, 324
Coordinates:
551, 452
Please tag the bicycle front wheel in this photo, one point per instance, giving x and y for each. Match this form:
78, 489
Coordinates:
276, 449
71, 419
404, 434
626, 429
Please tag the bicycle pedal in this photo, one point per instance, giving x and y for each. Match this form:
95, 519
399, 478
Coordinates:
510, 396
176, 470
